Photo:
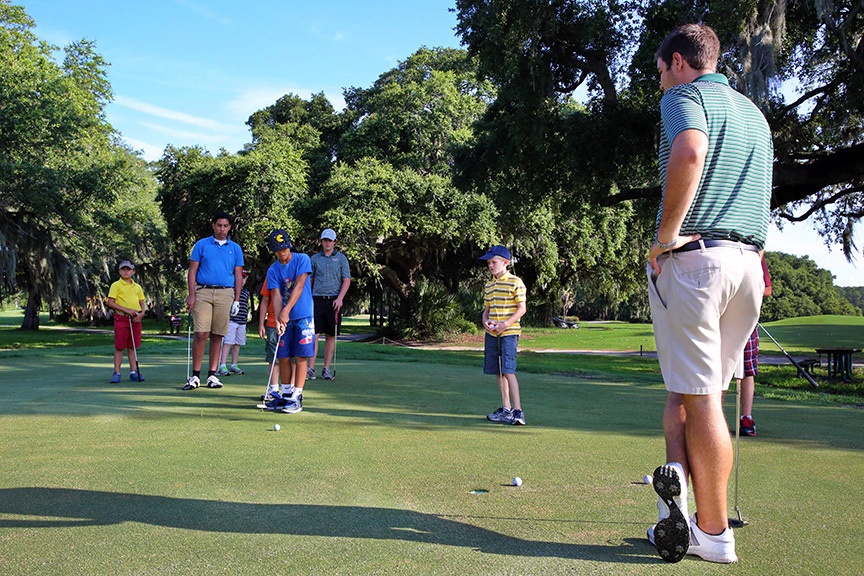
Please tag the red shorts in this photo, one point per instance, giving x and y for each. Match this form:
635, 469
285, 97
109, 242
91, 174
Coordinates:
751, 355
123, 333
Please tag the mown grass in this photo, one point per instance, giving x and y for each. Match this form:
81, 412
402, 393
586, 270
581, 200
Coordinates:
378, 474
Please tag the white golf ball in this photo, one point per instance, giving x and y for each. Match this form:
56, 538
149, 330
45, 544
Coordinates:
276, 427
648, 479
517, 481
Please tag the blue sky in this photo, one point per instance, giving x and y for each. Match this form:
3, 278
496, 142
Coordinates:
191, 72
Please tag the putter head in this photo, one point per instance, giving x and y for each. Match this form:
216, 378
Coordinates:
738, 522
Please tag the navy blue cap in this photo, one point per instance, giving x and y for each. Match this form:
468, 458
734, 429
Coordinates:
279, 240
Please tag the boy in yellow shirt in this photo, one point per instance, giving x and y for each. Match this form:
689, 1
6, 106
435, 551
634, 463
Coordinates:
504, 300
126, 298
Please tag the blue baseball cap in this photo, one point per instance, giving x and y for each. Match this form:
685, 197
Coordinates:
497, 250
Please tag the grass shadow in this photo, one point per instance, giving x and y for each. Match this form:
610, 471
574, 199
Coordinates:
62, 507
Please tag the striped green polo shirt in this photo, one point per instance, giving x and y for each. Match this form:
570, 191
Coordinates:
502, 296
733, 200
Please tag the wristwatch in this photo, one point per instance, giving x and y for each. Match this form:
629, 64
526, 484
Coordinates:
667, 245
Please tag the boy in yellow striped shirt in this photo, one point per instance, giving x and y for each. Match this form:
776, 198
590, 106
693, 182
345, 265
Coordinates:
504, 300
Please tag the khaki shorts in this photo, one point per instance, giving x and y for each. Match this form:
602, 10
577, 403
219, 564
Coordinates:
704, 305
212, 310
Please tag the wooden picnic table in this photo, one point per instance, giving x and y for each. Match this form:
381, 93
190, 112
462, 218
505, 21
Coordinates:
839, 361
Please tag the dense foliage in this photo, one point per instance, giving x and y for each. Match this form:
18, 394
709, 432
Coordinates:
445, 154
73, 199
800, 288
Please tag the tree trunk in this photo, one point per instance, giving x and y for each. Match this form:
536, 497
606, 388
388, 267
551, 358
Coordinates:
31, 313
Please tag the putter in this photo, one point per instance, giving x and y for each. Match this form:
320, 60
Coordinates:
135, 350
801, 371
189, 348
738, 522
335, 342
263, 405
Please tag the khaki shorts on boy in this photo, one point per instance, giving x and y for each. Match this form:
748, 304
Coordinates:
704, 304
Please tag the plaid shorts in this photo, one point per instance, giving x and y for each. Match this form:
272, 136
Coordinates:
751, 354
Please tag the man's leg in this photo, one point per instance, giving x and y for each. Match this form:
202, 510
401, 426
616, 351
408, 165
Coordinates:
215, 351
674, 422
199, 342
329, 348
710, 458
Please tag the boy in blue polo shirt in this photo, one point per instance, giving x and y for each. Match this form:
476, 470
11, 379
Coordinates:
291, 296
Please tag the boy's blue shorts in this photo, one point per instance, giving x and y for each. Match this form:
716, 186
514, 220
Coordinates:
298, 339
507, 351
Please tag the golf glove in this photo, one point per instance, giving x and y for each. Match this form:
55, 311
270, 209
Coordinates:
235, 308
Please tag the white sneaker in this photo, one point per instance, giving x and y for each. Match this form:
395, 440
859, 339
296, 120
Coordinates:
720, 548
191, 383
671, 534
213, 382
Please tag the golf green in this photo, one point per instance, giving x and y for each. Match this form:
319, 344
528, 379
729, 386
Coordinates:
391, 468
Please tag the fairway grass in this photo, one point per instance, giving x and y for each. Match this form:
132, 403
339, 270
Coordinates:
376, 475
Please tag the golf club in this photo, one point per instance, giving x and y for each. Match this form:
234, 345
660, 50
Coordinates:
335, 343
738, 522
135, 351
189, 348
263, 404
801, 371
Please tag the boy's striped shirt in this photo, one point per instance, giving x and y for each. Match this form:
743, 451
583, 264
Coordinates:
502, 296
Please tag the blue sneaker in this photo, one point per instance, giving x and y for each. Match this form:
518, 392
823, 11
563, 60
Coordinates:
115, 378
294, 405
135, 377
276, 403
500, 415
517, 418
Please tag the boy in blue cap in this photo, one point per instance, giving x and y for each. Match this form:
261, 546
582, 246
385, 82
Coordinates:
504, 300
291, 295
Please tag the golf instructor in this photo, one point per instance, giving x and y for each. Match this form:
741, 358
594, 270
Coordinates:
215, 281
704, 281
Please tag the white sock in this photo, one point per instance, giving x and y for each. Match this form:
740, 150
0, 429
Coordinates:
297, 392
287, 389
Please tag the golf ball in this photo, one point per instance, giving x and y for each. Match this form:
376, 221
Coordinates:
276, 427
517, 481
648, 479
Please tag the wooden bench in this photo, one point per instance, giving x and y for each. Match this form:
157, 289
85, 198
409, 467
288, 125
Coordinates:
809, 363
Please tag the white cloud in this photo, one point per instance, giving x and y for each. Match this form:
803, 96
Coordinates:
168, 114
251, 100
149, 152
204, 12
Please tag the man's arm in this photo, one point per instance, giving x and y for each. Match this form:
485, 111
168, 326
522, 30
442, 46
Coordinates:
337, 304
191, 279
686, 162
